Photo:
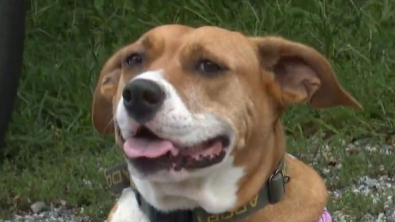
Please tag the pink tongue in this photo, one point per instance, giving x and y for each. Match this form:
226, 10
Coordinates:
135, 148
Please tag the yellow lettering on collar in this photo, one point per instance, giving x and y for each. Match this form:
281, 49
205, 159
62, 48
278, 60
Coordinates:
254, 201
117, 177
213, 218
109, 180
227, 215
241, 210
231, 214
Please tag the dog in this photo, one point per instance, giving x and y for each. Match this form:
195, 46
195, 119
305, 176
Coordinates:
197, 112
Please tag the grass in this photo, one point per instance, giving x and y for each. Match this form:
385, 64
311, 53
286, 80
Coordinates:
53, 152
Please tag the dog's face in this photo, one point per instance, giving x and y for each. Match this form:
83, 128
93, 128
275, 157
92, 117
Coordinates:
185, 101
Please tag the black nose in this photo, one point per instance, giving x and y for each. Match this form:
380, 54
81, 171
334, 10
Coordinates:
142, 99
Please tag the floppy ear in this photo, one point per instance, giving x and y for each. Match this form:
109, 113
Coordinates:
106, 88
302, 73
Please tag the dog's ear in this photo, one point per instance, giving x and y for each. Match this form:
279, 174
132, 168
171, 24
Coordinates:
106, 88
302, 74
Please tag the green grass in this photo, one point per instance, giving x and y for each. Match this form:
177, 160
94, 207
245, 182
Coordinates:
53, 152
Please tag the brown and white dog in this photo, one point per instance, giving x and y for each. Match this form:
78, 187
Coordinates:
197, 112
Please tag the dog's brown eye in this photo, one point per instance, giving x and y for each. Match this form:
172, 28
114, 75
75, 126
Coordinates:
134, 59
208, 67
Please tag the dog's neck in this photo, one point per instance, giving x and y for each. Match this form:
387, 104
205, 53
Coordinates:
270, 151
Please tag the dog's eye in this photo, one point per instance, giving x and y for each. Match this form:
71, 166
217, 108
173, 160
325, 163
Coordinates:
208, 67
134, 59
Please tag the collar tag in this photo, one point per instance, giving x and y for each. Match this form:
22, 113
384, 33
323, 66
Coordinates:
276, 188
276, 183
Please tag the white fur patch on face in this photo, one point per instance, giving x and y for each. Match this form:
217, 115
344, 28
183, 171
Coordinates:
127, 209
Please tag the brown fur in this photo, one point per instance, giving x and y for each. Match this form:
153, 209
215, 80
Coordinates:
263, 76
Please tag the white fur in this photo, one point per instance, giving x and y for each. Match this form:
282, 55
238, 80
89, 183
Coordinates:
213, 188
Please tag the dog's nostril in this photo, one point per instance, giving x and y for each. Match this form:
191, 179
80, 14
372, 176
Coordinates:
127, 95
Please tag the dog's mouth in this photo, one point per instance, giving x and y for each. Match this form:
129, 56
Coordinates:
148, 152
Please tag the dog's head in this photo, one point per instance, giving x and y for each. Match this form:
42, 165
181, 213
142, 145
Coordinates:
183, 101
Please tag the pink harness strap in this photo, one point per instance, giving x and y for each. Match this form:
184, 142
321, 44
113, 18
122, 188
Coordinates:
326, 217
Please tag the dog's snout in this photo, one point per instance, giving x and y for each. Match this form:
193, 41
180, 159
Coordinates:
142, 99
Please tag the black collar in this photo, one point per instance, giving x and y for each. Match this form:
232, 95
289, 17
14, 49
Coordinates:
118, 178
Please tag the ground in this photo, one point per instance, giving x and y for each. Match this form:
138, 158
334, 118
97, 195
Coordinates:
54, 154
